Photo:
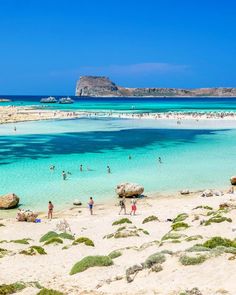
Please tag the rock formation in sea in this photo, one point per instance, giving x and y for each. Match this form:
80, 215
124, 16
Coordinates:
9, 201
98, 86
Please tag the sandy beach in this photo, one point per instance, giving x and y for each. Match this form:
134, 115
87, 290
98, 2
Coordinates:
12, 114
214, 273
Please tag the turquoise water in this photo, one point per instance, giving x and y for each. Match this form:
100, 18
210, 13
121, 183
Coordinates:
194, 156
159, 104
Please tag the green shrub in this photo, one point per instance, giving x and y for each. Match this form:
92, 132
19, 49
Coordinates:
115, 254
90, 261
197, 248
21, 241
33, 250
217, 219
121, 228
54, 240
1, 224
218, 241
173, 236
188, 260
150, 218
154, 259
194, 238
48, 235
179, 226
121, 221
11, 288
83, 240
45, 291
66, 236
126, 234
3, 252
180, 217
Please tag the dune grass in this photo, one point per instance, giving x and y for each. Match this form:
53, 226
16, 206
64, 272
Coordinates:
115, 254
189, 260
217, 219
24, 241
157, 258
91, 261
150, 219
66, 236
180, 217
179, 226
219, 241
48, 235
11, 288
54, 240
84, 240
34, 250
121, 221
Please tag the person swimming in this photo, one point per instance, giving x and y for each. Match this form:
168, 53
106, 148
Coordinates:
52, 167
64, 175
130, 157
108, 169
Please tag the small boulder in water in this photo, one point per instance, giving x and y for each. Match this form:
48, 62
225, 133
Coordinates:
129, 190
233, 180
9, 201
185, 192
77, 203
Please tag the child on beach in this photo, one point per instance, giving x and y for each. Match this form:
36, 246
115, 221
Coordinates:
50, 210
91, 203
133, 207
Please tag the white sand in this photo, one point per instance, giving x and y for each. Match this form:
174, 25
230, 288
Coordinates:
52, 270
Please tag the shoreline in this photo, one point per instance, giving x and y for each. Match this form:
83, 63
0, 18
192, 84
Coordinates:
10, 114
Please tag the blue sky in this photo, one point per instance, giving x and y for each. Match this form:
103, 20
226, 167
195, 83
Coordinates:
46, 45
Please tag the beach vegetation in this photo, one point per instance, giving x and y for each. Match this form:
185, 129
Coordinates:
126, 234
121, 228
24, 241
45, 291
154, 259
3, 252
1, 224
11, 288
217, 219
198, 248
91, 261
219, 241
194, 238
83, 240
48, 235
34, 250
166, 251
157, 267
115, 254
173, 236
121, 221
66, 236
179, 226
180, 217
203, 207
150, 219
192, 260
54, 240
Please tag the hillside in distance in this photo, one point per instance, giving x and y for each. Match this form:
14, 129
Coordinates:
99, 86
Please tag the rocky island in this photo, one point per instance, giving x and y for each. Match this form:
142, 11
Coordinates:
99, 86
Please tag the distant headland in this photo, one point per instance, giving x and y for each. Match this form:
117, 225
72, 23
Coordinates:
99, 86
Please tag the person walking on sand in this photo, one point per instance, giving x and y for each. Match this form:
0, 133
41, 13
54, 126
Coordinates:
50, 210
122, 205
133, 207
64, 175
90, 204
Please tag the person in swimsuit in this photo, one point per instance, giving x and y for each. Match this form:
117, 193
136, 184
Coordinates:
90, 204
122, 205
133, 207
81, 168
108, 169
64, 175
50, 210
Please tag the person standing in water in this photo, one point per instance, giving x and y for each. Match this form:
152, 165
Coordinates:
81, 168
108, 169
160, 161
130, 157
64, 175
52, 167
90, 204
50, 210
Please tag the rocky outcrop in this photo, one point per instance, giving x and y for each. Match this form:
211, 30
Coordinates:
129, 190
103, 86
26, 215
9, 201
